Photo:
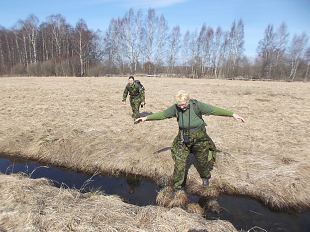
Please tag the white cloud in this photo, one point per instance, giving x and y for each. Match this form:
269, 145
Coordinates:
152, 3
138, 3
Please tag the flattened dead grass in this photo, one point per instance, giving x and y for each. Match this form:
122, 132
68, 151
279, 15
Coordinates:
80, 123
34, 205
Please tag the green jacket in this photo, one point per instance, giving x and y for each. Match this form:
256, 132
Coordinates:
134, 90
188, 119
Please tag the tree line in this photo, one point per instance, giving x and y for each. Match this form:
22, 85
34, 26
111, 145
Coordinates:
142, 42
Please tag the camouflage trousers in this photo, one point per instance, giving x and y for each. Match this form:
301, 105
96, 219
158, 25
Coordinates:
203, 148
135, 103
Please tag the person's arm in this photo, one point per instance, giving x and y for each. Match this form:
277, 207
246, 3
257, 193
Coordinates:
142, 95
213, 110
168, 113
207, 109
125, 93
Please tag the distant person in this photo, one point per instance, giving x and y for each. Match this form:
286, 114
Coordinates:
192, 136
137, 95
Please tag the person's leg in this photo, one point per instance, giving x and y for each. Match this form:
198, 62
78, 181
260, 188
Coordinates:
135, 105
204, 151
179, 153
212, 152
201, 151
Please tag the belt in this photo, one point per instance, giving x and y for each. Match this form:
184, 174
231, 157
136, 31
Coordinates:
192, 129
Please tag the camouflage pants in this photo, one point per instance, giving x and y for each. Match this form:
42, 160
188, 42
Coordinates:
203, 148
135, 103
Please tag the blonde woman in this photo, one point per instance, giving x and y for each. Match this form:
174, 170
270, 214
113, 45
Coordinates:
192, 136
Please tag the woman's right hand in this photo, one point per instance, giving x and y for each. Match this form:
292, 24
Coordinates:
142, 119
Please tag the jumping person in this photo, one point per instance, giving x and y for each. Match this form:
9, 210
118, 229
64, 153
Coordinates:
192, 136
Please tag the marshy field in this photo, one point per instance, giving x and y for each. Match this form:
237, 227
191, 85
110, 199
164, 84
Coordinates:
81, 124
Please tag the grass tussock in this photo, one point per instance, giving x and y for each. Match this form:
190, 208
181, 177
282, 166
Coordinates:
34, 205
179, 200
195, 208
165, 196
168, 198
80, 123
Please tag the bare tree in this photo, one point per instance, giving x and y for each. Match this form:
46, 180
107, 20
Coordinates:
217, 51
19, 56
186, 51
2, 63
205, 43
142, 41
31, 29
151, 23
235, 48
84, 39
132, 37
58, 29
112, 44
160, 42
194, 55
296, 50
174, 46
307, 59
267, 51
281, 39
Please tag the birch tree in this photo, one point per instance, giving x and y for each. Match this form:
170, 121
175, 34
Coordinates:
84, 39
267, 51
161, 37
174, 46
217, 51
307, 59
296, 50
132, 38
151, 23
236, 41
281, 40
186, 51
205, 43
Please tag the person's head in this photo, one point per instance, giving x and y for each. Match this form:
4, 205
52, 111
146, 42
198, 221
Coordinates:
182, 99
131, 79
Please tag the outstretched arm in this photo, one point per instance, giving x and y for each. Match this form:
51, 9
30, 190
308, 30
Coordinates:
155, 116
213, 110
168, 113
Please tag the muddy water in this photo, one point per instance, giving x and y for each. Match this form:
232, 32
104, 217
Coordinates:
130, 189
244, 213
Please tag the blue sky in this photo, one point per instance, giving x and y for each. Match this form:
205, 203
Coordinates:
188, 14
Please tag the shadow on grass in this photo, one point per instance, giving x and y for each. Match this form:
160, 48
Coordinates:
145, 113
162, 150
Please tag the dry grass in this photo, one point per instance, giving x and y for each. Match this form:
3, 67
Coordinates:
195, 208
35, 205
179, 200
80, 123
165, 196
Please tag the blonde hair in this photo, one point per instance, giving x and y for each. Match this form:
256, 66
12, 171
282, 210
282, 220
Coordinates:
182, 96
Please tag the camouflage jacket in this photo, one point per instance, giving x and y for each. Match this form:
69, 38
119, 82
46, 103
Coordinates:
134, 90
